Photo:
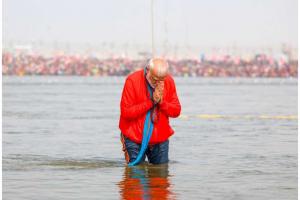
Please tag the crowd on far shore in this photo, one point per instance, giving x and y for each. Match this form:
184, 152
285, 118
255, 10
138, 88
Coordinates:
260, 65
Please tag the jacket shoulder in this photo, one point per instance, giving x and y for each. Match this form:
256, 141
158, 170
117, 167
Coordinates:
170, 79
135, 75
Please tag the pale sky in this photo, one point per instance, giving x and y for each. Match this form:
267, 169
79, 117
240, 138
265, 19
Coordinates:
176, 22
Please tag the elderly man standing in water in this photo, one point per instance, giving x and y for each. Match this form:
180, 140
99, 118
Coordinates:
149, 98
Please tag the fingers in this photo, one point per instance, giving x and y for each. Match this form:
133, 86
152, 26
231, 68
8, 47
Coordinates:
161, 85
157, 95
158, 92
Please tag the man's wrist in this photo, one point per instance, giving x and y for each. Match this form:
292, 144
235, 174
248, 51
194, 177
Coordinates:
155, 102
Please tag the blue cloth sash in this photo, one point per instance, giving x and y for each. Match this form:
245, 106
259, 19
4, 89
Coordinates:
147, 132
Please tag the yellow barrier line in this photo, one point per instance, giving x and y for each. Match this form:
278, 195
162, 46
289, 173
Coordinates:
184, 117
209, 116
279, 117
215, 116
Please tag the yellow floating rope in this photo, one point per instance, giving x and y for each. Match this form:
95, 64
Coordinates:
209, 116
215, 116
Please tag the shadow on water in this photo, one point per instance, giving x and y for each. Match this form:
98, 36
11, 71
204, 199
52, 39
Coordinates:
146, 181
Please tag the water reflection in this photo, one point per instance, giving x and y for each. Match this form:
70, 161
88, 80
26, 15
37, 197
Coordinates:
146, 182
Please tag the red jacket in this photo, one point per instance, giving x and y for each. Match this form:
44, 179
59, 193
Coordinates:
135, 103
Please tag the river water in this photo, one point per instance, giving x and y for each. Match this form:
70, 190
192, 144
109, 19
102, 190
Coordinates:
236, 139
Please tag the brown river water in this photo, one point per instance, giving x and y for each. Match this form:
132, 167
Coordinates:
236, 139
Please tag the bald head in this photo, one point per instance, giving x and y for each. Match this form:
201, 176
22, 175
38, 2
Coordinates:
158, 67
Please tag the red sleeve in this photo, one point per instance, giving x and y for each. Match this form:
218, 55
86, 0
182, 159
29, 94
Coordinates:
171, 107
130, 110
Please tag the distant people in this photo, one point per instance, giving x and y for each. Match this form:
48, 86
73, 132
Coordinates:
150, 90
22, 64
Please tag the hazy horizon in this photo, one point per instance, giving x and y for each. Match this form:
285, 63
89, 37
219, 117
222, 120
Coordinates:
118, 25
